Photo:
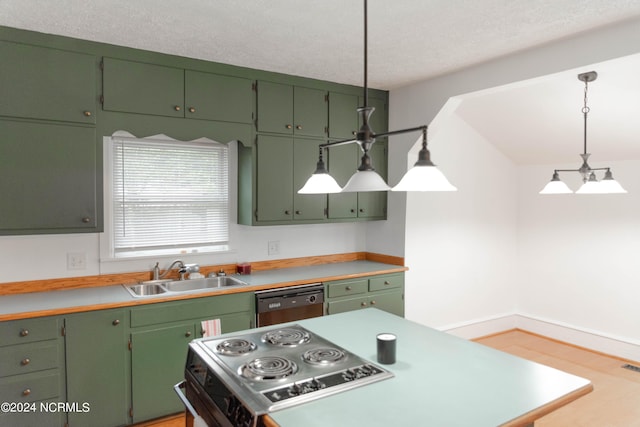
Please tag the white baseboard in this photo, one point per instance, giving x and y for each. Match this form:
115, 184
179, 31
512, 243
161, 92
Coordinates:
582, 337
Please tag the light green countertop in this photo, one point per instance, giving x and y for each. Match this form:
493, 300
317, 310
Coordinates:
440, 380
48, 303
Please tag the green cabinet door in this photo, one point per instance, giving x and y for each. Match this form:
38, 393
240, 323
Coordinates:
291, 110
343, 115
158, 359
97, 367
342, 163
215, 97
309, 112
48, 178
135, 87
274, 178
275, 107
48, 84
373, 204
305, 158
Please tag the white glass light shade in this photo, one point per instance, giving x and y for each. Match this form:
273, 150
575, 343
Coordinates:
556, 187
611, 186
320, 183
365, 181
590, 187
424, 178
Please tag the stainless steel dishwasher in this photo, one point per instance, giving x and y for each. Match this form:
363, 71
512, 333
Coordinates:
289, 304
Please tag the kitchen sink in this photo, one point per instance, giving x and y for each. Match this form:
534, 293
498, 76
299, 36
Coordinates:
147, 289
205, 283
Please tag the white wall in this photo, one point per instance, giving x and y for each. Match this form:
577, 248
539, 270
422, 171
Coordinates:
461, 248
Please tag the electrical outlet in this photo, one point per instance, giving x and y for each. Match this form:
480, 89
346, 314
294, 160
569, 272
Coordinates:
76, 261
273, 247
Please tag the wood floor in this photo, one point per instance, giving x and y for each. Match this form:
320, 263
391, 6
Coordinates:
615, 400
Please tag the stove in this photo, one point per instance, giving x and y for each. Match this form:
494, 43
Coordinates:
238, 378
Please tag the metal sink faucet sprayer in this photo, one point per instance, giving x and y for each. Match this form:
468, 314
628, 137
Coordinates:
183, 269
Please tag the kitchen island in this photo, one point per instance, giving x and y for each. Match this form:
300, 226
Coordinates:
439, 380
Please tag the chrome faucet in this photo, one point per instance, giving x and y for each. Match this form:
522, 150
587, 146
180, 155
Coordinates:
158, 276
183, 270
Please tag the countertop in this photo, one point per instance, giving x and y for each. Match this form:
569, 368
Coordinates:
440, 380
37, 304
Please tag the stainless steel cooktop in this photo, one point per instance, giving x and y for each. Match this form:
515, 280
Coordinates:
280, 367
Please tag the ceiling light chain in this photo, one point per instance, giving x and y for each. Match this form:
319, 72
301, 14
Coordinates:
590, 185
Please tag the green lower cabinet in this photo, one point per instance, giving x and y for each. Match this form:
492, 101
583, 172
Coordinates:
157, 363
97, 367
385, 292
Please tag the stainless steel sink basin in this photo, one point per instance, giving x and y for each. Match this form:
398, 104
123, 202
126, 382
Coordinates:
146, 289
205, 283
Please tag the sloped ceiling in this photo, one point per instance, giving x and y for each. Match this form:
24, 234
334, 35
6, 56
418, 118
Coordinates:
409, 41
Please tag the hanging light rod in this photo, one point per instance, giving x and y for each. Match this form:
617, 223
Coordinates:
423, 176
590, 185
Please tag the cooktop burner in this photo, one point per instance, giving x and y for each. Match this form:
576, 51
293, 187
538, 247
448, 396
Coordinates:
323, 356
289, 337
268, 368
272, 369
235, 347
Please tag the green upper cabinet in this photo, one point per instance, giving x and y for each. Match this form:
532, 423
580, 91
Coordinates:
342, 163
215, 97
343, 115
283, 166
47, 84
135, 87
48, 178
291, 110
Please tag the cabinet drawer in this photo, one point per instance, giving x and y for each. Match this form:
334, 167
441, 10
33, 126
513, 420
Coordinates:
386, 282
340, 289
30, 387
348, 304
31, 357
28, 330
192, 309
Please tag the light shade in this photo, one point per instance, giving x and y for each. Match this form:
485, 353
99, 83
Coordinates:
367, 180
591, 186
556, 186
320, 183
610, 185
424, 178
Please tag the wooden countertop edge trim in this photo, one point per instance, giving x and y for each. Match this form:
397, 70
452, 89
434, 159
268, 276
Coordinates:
13, 288
186, 296
268, 421
529, 418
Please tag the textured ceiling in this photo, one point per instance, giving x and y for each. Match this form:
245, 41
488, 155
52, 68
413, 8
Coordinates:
409, 40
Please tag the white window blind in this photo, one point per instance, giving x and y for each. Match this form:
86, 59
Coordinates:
169, 195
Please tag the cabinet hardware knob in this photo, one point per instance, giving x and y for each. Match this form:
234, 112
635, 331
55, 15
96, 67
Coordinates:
86, 220
386, 282
192, 110
298, 213
87, 113
187, 334
299, 127
24, 332
373, 302
361, 210
288, 126
177, 108
287, 212
363, 304
354, 133
26, 392
25, 361
353, 210
348, 288
115, 322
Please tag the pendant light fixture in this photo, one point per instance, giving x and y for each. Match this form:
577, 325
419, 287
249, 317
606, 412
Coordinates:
424, 176
590, 185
